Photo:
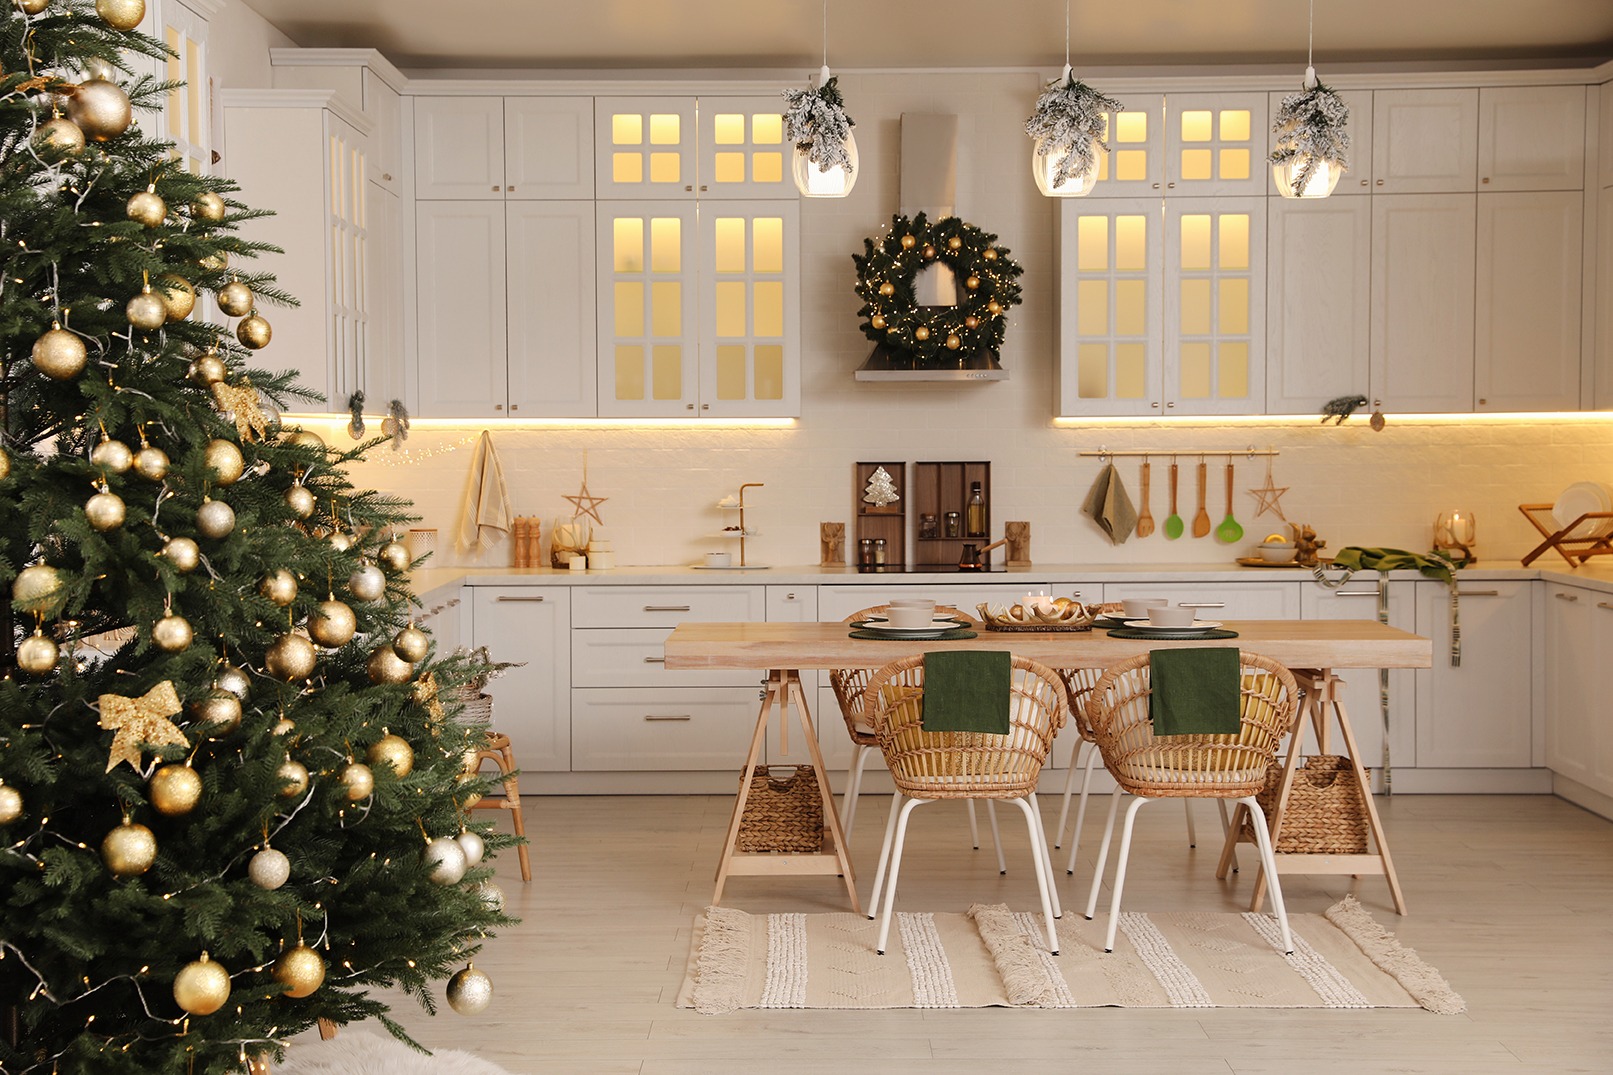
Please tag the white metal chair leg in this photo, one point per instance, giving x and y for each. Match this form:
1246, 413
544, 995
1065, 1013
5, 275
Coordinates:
1103, 854
1044, 857
1268, 863
854, 787
896, 866
1120, 871
1192, 833
1069, 786
1044, 882
996, 836
1081, 809
884, 855
974, 826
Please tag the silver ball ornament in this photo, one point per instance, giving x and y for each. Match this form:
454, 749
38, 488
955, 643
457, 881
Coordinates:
269, 869
183, 553
470, 991
473, 846
232, 679
290, 657
491, 894
301, 501
332, 624
172, 633
367, 583
444, 861
235, 299
151, 463
279, 586
412, 644
215, 519
358, 780
105, 511
112, 456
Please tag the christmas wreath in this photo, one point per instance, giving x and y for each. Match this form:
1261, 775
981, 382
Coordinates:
936, 336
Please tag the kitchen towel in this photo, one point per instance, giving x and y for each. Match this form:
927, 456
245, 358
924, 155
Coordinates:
1195, 691
1433, 565
967, 691
1110, 507
487, 505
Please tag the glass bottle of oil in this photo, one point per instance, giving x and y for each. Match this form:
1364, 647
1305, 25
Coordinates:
974, 513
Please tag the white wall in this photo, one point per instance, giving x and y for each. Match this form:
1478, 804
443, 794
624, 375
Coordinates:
238, 44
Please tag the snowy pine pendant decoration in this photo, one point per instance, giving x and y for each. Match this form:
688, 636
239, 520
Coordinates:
881, 489
1313, 144
815, 121
1068, 128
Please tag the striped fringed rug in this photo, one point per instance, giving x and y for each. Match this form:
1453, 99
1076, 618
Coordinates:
994, 956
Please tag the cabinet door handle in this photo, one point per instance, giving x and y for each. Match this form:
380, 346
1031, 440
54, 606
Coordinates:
387, 176
495, 188
503, 597
1355, 593
1575, 597
673, 716
510, 189
655, 660
1202, 604
1380, 182
1478, 593
666, 608
789, 597
1604, 604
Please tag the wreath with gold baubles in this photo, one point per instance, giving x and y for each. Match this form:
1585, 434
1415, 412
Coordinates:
936, 337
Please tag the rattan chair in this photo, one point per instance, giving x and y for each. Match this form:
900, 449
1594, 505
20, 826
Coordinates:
1188, 766
931, 766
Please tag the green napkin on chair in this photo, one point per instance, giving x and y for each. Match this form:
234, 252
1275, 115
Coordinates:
1195, 691
967, 691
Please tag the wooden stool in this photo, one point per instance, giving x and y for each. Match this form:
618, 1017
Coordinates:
499, 752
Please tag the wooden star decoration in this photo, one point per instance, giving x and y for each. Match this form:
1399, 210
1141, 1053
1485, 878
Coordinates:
1269, 498
586, 503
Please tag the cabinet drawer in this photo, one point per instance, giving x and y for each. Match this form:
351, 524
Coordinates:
606, 657
642, 729
665, 606
1220, 600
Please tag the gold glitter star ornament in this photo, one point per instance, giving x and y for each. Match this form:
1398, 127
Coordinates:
141, 722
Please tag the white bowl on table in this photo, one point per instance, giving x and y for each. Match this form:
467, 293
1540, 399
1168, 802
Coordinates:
911, 617
1170, 617
1277, 554
1137, 608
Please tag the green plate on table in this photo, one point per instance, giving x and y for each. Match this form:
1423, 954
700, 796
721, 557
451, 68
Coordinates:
863, 629
1182, 635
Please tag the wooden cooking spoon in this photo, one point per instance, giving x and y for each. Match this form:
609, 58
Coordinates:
1201, 521
1145, 518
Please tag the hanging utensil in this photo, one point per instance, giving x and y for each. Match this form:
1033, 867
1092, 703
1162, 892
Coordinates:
1173, 521
1145, 519
1229, 531
1201, 521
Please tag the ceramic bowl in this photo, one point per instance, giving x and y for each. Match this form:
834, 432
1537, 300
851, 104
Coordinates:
1277, 554
1170, 617
1138, 607
911, 617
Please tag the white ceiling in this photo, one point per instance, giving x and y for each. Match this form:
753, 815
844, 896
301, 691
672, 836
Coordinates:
768, 34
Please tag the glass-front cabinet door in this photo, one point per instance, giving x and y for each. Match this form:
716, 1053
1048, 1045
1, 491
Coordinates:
750, 308
645, 147
1111, 255
1216, 144
648, 337
1215, 306
742, 152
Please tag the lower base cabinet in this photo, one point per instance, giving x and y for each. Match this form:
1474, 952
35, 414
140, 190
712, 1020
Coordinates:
529, 627
1579, 679
655, 729
1479, 714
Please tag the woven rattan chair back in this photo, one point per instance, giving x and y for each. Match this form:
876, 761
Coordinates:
1078, 684
848, 684
1207, 766
965, 765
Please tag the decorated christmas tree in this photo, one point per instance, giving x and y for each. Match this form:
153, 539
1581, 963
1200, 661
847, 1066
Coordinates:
233, 781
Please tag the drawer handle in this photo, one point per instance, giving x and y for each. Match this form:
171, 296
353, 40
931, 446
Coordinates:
1355, 593
1478, 593
1575, 597
1203, 604
655, 660
1604, 604
666, 608
676, 717
505, 598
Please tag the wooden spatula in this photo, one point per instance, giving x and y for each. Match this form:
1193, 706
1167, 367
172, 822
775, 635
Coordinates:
1201, 521
1145, 519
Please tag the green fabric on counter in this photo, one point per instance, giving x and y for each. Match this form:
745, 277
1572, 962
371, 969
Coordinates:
1195, 691
1431, 564
967, 691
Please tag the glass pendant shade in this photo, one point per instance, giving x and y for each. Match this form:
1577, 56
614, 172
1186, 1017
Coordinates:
1323, 178
1044, 166
832, 182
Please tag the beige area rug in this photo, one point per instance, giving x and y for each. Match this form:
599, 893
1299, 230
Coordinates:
355, 1052
992, 956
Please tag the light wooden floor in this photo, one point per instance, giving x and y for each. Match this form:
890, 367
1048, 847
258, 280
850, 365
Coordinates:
1509, 898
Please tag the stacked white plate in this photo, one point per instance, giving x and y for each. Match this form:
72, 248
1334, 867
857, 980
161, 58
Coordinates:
1579, 499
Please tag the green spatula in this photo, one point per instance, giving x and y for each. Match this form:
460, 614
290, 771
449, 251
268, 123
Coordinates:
1230, 531
1173, 522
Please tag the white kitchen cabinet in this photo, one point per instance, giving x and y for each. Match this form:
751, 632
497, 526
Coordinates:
690, 149
1424, 141
661, 730
1423, 258
1531, 138
1481, 713
1602, 376
505, 308
1218, 601
187, 109
1529, 272
531, 699
384, 379
1319, 301
1579, 636
367, 83
1605, 125
1357, 178
300, 153
504, 148
1185, 144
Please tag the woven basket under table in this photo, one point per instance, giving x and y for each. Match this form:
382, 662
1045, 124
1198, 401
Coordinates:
782, 813
1326, 813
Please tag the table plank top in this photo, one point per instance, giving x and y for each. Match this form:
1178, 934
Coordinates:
1295, 643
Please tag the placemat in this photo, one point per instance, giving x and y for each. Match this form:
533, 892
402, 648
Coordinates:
912, 636
1185, 634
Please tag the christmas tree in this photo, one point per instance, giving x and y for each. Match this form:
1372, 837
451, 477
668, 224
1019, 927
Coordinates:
233, 781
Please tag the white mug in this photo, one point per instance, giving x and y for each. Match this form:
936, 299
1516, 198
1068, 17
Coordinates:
719, 559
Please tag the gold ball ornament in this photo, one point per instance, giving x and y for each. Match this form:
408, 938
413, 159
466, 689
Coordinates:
887, 289
279, 586
290, 657
394, 556
37, 654
953, 342
151, 463
121, 14
183, 553
341, 540
37, 589
112, 456
94, 66
305, 438
928, 251
202, 987
232, 679
148, 208
990, 254
368, 583
921, 333
224, 461
444, 860
909, 242
5, 464
300, 970
470, 991
301, 501
994, 307
385, 666
32, 7
215, 519
209, 207
218, 711
105, 511
332, 624
10, 804
412, 644
235, 299
954, 243
60, 134
293, 776
59, 354
129, 850
877, 321
172, 633
269, 869
491, 895
146, 311
100, 108
357, 780
972, 283
393, 750
473, 845
254, 332
175, 790
217, 261
971, 321
283, 726
207, 369
177, 295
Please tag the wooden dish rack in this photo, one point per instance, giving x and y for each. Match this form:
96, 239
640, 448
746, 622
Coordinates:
1576, 550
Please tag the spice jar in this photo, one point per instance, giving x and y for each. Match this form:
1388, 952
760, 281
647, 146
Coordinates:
928, 527
953, 522
879, 552
865, 552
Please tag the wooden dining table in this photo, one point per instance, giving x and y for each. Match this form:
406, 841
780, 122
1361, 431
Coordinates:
1313, 649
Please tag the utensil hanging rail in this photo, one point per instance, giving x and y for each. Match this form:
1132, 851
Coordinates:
1248, 453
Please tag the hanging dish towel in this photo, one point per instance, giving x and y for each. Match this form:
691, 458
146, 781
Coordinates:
487, 506
1110, 507
1432, 565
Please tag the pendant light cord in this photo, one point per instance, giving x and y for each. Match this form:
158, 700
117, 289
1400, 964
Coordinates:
826, 33
1066, 33
1310, 37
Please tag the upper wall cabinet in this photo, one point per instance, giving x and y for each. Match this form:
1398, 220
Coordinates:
687, 148
1319, 301
1185, 145
366, 82
497, 148
1424, 141
1531, 138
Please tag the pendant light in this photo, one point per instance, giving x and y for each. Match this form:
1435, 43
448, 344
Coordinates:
824, 164
1067, 129
1312, 140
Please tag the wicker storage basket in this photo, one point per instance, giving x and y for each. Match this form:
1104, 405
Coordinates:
782, 813
1326, 813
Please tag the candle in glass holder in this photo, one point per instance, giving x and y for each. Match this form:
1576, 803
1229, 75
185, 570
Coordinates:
1455, 530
